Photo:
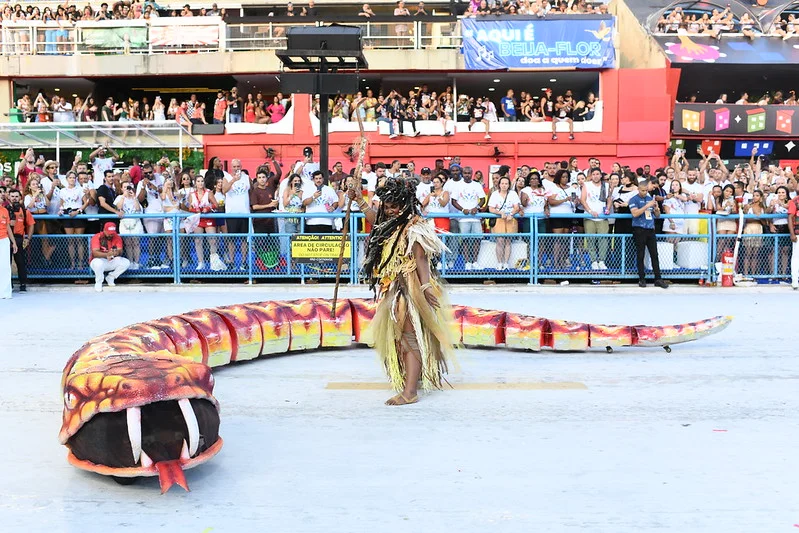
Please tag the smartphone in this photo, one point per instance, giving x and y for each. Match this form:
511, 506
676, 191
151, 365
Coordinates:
80, 155
788, 169
319, 187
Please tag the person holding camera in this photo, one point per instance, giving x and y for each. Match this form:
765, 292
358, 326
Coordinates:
306, 168
320, 199
128, 204
74, 201
263, 199
22, 223
237, 204
106, 255
101, 162
292, 203
644, 209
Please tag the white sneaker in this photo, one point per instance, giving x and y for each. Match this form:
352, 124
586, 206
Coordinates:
795, 286
602, 265
468, 266
217, 264
487, 136
594, 266
134, 266
110, 281
200, 266
392, 136
439, 266
98, 286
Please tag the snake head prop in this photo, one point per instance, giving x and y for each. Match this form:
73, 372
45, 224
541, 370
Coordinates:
129, 415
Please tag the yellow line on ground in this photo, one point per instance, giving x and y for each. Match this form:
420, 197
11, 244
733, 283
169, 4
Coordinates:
555, 385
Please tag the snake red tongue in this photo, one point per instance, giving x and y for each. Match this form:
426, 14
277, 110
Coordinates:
169, 473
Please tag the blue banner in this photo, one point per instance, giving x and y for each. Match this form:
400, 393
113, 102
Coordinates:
490, 44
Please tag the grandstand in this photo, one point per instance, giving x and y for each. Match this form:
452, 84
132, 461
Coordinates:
654, 82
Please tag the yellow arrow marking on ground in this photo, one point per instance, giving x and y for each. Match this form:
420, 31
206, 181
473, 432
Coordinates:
542, 385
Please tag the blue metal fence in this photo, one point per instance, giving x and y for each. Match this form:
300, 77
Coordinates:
532, 256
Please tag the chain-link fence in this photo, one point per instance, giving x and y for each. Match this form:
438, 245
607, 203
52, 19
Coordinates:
270, 251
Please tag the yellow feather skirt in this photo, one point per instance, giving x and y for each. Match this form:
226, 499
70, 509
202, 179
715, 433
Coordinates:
404, 301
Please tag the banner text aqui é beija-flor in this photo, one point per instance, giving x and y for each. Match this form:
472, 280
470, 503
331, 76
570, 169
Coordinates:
529, 44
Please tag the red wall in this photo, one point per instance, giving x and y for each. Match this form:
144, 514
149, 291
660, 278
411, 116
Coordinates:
636, 131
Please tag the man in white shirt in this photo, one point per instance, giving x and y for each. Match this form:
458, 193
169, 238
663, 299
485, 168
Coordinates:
306, 168
371, 187
369, 178
548, 177
237, 202
101, 163
469, 200
62, 111
320, 198
425, 184
453, 186
696, 196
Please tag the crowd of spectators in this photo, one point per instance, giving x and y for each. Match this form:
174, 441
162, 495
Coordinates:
65, 14
396, 108
775, 98
562, 188
229, 106
717, 22
539, 8
713, 23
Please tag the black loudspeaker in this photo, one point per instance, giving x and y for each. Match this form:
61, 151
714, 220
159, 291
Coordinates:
334, 37
208, 129
312, 83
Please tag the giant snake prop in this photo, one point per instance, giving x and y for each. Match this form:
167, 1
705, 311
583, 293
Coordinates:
139, 401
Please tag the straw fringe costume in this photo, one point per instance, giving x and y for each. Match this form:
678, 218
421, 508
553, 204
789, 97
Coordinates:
401, 297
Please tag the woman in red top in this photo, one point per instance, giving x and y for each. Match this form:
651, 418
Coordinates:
201, 200
249, 110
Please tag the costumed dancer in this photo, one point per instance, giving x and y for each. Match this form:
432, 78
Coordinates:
411, 326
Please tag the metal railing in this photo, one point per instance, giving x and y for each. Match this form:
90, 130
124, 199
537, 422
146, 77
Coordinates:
534, 255
203, 34
88, 135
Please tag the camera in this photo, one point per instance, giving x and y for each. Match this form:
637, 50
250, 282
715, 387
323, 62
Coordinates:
364, 182
270, 152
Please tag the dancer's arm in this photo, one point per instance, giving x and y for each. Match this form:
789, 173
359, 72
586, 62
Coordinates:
423, 273
366, 208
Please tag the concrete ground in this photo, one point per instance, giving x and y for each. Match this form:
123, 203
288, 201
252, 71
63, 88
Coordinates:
703, 439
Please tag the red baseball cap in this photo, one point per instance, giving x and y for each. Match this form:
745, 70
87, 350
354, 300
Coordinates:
110, 227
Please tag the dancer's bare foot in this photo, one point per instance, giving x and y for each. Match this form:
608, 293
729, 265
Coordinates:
399, 399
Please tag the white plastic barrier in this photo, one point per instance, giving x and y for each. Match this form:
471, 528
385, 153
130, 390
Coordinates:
518, 251
665, 257
487, 256
692, 254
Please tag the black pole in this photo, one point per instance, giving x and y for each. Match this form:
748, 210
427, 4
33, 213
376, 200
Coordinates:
323, 123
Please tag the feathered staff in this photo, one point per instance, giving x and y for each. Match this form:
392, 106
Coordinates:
360, 146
